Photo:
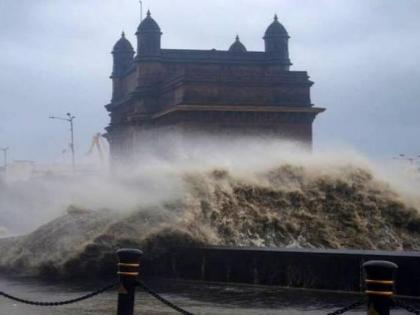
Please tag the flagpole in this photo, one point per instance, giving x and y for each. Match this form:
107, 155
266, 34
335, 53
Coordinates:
141, 10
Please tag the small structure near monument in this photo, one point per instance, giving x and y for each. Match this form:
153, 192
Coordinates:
234, 92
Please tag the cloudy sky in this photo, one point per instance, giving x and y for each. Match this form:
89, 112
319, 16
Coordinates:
363, 56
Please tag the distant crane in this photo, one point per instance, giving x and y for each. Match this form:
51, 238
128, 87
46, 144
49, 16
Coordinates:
5, 156
96, 143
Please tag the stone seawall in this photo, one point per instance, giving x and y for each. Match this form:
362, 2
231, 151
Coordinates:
301, 268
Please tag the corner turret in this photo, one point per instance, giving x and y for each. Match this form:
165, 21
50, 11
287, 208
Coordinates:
123, 54
276, 40
148, 37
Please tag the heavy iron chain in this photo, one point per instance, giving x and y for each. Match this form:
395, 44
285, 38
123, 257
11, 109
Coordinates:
407, 307
58, 303
156, 295
347, 308
162, 299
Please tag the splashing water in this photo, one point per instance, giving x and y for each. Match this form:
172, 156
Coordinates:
241, 192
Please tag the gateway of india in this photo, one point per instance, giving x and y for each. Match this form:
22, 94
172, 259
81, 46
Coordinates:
186, 91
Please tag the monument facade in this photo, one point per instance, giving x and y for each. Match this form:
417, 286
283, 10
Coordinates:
234, 91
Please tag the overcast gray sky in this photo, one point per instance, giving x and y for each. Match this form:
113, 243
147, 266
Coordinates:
363, 56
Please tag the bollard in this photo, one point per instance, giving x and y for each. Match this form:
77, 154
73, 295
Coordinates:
128, 271
379, 284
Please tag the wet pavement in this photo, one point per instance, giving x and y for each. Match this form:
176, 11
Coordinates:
198, 298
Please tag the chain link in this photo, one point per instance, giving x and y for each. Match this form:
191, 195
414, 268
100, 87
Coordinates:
58, 303
407, 307
162, 299
347, 308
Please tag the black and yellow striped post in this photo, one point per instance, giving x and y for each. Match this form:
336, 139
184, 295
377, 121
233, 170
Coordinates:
128, 271
379, 284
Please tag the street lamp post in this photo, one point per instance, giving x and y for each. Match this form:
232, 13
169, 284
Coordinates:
5, 157
70, 119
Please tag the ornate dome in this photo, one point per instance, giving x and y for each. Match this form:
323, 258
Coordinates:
123, 45
237, 46
148, 24
275, 29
